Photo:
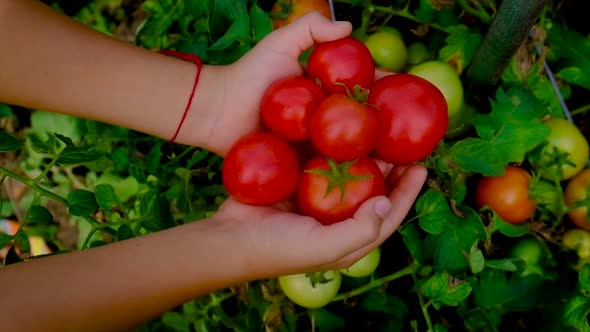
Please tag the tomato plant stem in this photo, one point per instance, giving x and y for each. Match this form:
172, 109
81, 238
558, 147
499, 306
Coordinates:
423, 306
478, 12
410, 269
581, 110
33, 185
45, 171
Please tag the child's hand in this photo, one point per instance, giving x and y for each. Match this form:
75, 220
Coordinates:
279, 242
236, 111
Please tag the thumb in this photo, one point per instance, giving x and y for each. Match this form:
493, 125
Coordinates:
343, 238
312, 28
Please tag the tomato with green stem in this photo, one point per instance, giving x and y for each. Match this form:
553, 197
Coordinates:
565, 142
529, 250
507, 195
341, 64
343, 129
261, 169
331, 192
365, 266
311, 290
288, 106
577, 193
579, 240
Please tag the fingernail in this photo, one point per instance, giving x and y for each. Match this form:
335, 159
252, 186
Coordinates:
382, 207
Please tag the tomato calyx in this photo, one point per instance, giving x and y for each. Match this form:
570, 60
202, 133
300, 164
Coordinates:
321, 277
359, 94
556, 158
338, 175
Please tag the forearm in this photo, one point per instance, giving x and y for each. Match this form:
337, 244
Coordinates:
117, 286
51, 62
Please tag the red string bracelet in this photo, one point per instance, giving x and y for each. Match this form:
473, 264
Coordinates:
197, 61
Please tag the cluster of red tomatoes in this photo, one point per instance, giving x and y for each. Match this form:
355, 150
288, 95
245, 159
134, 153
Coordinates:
325, 130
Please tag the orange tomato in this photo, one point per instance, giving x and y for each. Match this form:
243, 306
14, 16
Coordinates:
298, 8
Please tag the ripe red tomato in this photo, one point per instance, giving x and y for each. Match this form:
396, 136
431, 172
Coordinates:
288, 105
260, 169
577, 190
346, 60
331, 192
412, 115
298, 8
507, 195
343, 129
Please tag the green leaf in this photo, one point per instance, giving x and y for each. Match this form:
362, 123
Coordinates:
261, 23
477, 155
380, 301
476, 260
23, 242
5, 239
197, 8
125, 232
573, 49
507, 228
9, 143
426, 13
45, 124
73, 155
584, 280
5, 111
106, 197
493, 290
152, 160
327, 321
156, 212
460, 48
434, 211
440, 328
413, 241
443, 289
40, 214
576, 312
176, 321
451, 248
82, 202
506, 264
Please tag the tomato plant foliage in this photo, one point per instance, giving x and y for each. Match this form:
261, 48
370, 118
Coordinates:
449, 266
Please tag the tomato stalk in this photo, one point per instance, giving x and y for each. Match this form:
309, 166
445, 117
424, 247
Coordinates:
423, 305
375, 283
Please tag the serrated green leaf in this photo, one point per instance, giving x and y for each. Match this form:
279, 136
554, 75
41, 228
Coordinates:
73, 155
476, 260
106, 197
380, 301
9, 143
327, 321
413, 241
261, 23
5, 239
442, 289
82, 202
434, 212
460, 48
452, 247
573, 49
23, 242
40, 214
584, 280
479, 156
156, 212
576, 312
516, 294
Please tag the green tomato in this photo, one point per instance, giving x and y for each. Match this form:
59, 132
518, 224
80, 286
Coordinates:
579, 240
390, 29
460, 121
311, 290
532, 270
388, 50
566, 138
364, 266
529, 249
418, 53
446, 79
